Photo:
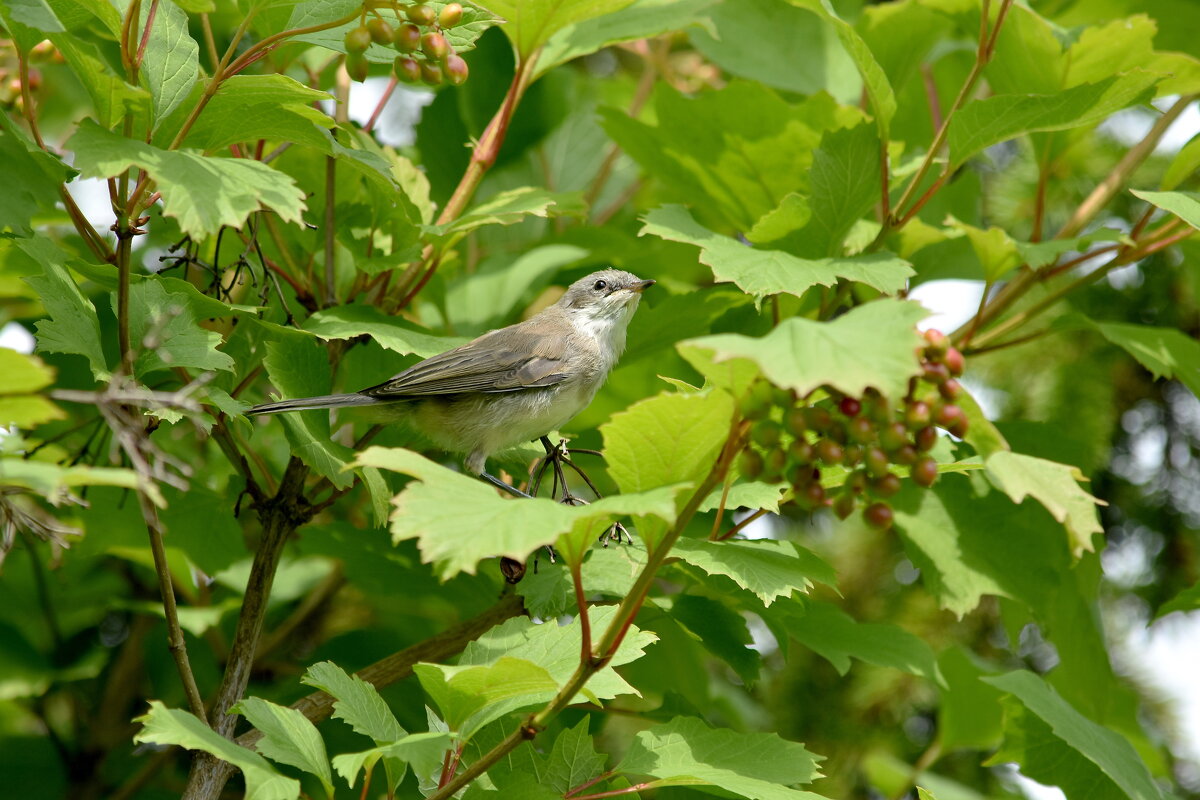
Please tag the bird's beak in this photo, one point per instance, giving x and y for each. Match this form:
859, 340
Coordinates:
641, 286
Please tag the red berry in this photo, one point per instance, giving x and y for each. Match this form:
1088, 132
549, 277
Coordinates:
950, 389
381, 32
938, 341
829, 451
812, 496
886, 485
849, 406
435, 46
451, 15
407, 38
918, 415
949, 415
935, 372
925, 471
357, 40
431, 73
905, 455
926, 438
879, 515
800, 451
407, 69
954, 362
800, 476
818, 419
422, 14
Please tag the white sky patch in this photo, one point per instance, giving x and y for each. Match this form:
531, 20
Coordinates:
950, 302
16, 336
397, 125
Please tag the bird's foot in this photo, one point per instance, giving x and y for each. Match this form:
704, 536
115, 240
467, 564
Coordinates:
617, 533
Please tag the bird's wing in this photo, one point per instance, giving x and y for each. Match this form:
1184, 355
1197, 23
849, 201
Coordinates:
509, 360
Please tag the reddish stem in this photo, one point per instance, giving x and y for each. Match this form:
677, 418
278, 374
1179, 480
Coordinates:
383, 101
602, 776
614, 793
585, 624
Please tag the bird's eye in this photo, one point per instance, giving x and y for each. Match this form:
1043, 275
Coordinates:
600, 285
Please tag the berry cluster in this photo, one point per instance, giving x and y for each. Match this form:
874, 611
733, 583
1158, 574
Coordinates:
864, 435
425, 55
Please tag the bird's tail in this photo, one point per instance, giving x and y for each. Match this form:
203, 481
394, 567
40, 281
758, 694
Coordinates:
306, 403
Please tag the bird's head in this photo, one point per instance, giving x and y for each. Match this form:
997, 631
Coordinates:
605, 294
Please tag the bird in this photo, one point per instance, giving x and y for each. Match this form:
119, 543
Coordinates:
510, 385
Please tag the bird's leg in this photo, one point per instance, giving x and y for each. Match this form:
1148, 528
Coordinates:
499, 484
556, 455
559, 456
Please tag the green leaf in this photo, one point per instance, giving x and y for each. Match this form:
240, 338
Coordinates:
1183, 166
770, 569
203, 194
983, 123
685, 751
249, 107
555, 648
766, 272
54, 481
34, 13
968, 544
792, 214
1186, 600
735, 153
875, 81
749, 494
172, 58
24, 375
871, 346
1054, 486
512, 206
298, 367
666, 440
1185, 205
202, 306
162, 325
844, 180
112, 97
573, 759
722, 631
288, 737
836, 636
969, 715
34, 177
394, 333
459, 521
531, 23
1049, 741
357, 702
162, 725
418, 749
470, 697
643, 19
73, 326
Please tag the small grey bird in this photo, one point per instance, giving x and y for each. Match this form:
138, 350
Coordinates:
511, 385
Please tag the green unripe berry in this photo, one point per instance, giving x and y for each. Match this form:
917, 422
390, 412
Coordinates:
918, 415
767, 433
851, 455
875, 460
818, 419
451, 15
793, 420
829, 451
774, 463
381, 32
844, 505
800, 476
800, 451
756, 403
357, 40
857, 481
407, 38
422, 14
750, 464
893, 436
861, 430
357, 67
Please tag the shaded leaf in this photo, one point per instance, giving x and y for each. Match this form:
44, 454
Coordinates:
171, 63
531, 23
1185, 205
163, 328
288, 737
1053, 485
73, 326
357, 702
417, 749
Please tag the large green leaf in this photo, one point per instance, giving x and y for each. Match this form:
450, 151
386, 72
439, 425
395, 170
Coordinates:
23, 376
470, 697
112, 97
871, 346
666, 440
1053, 485
421, 750
34, 178
171, 63
735, 153
462, 37
512, 206
357, 702
983, 123
459, 521
875, 80
288, 737
767, 272
249, 107
844, 180
1056, 744
969, 715
722, 631
203, 194
163, 329
686, 752
162, 725
642, 19
73, 326
555, 648
573, 759
770, 569
531, 23
838, 637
